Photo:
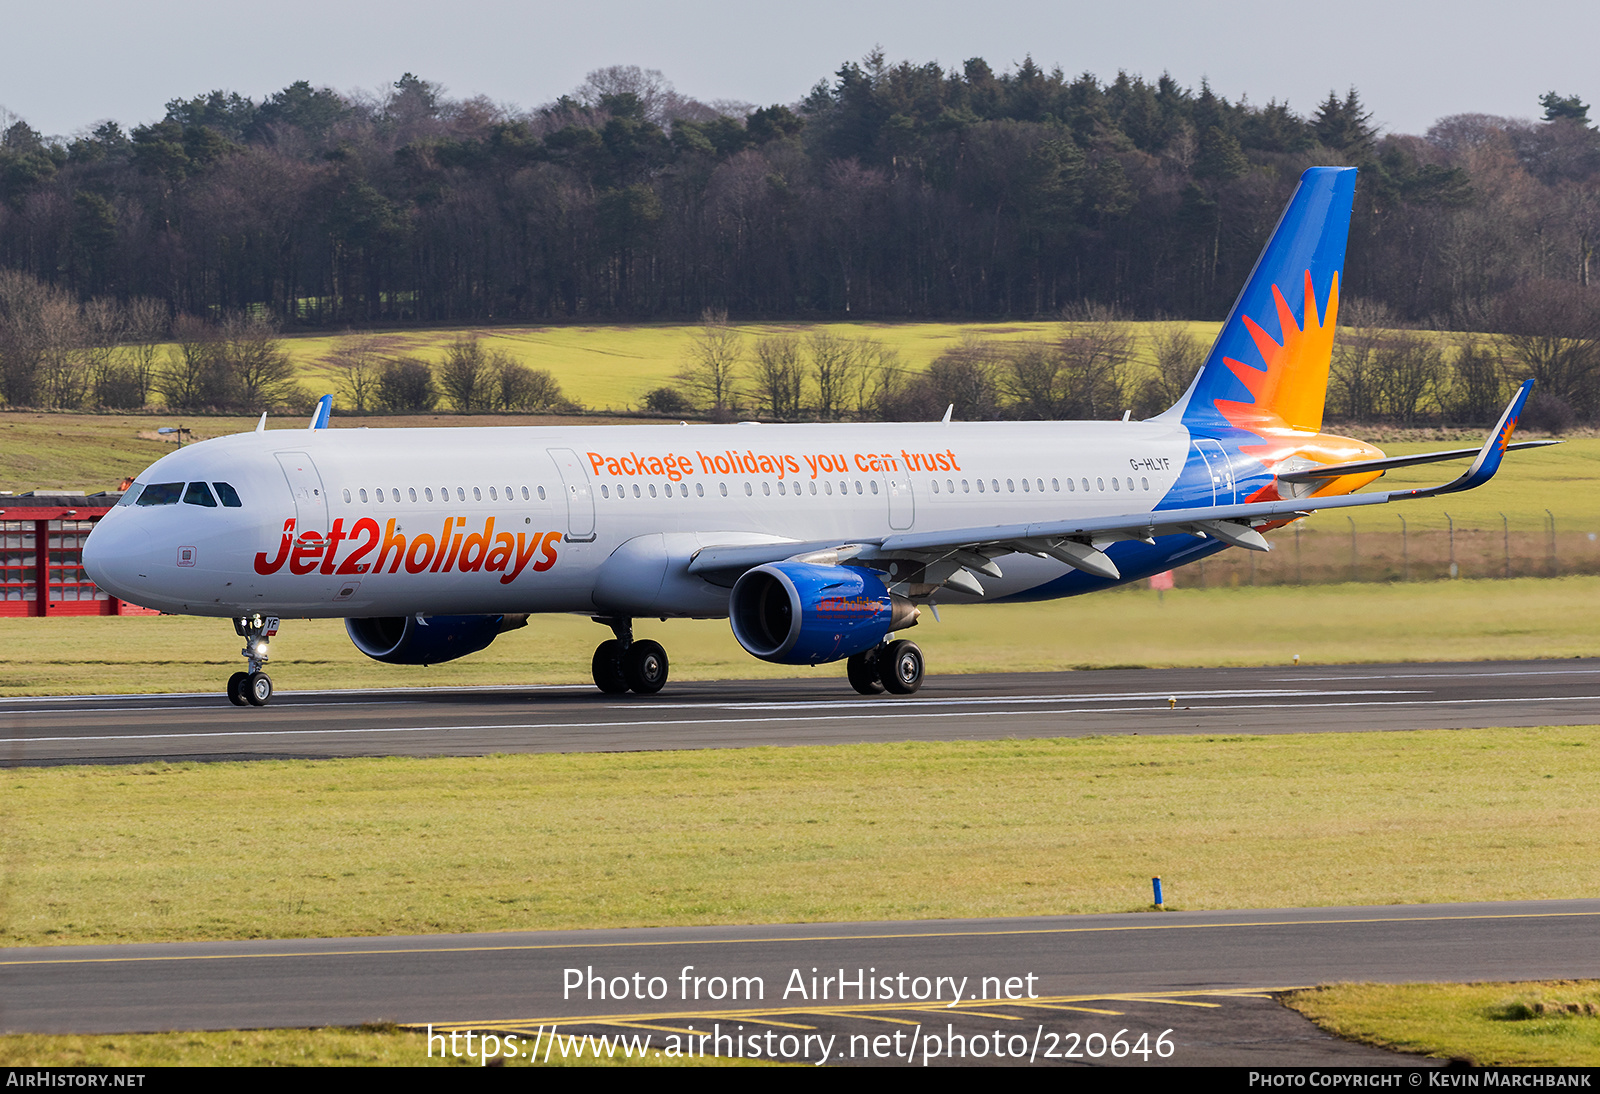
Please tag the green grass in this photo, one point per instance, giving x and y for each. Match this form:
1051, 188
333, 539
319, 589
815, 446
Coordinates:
1186, 627
1331, 624
362, 1046
612, 367
1544, 1024
283, 849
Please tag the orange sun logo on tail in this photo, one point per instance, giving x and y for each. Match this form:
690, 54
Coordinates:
1505, 434
1291, 391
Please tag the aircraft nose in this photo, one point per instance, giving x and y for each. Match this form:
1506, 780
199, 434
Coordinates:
117, 557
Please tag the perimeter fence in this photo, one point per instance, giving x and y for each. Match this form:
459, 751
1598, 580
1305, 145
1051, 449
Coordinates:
1332, 549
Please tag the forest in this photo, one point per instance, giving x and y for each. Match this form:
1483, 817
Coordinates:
890, 191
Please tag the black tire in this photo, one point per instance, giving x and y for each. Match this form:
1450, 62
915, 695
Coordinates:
645, 666
607, 668
900, 664
236, 689
258, 689
862, 668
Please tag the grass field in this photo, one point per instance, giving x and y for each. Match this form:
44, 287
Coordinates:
1550, 1024
284, 849
612, 367
1423, 621
362, 1046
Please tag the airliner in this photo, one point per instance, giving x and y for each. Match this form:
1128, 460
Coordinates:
818, 542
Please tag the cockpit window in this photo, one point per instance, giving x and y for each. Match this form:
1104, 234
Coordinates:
131, 494
161, 493
229, 496
198, 494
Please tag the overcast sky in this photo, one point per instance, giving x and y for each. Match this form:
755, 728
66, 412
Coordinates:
71, 63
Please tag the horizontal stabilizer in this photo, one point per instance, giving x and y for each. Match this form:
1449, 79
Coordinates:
1358, 467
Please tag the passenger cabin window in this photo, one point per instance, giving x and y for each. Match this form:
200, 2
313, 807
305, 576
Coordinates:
199, 494
161, 493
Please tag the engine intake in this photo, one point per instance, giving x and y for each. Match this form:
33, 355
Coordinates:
798, 613
432, 640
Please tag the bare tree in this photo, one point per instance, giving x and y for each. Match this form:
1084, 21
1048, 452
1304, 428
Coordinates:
716, 364
357, 361
63, 368
1079, 376
467, 375
961, 379
1477, 382
1178, 357
879, 382
834, 364
192, 378
262, 376
1095, 356
406, 383
1410, 371
780, 375
146, 326
1353, 378
1552, 334
519, 387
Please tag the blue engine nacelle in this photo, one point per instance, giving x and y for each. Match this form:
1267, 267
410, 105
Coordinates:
801, 613
406, 640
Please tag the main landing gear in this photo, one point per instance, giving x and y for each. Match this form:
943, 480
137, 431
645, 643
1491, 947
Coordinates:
254, 687
623, 664
895, 667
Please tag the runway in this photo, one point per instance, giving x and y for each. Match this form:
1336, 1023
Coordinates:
1200, 979
817, 711
1199, 983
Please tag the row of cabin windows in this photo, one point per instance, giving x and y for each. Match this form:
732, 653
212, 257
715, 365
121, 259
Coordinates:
991, 486
444, 494
784, 488
1038, 485
171, 493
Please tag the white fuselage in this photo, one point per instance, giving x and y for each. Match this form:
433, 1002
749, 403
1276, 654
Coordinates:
484, 520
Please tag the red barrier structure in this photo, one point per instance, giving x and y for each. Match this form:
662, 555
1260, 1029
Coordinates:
41, 556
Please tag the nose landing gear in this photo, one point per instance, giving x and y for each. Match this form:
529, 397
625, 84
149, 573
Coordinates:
254, 687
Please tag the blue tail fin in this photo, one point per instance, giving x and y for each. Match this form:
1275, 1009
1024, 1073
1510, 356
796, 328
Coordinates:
1269, 366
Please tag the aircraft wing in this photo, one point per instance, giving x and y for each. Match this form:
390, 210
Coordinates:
961, 553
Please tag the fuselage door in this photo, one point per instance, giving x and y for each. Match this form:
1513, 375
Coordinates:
1222, 486
305, 484
580, 496
902, 505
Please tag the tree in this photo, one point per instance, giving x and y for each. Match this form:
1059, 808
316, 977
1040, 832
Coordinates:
1345, 126
1568, 108
1178, 357
1551, 331
406, 383
261, 374
715, 365
834, 363
519, 387
780, 376
1352, 378
357, 362
1477, 387
468, 375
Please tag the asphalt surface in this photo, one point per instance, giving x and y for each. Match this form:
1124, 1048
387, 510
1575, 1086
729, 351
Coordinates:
1201, 982
1199, 985
822, 710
